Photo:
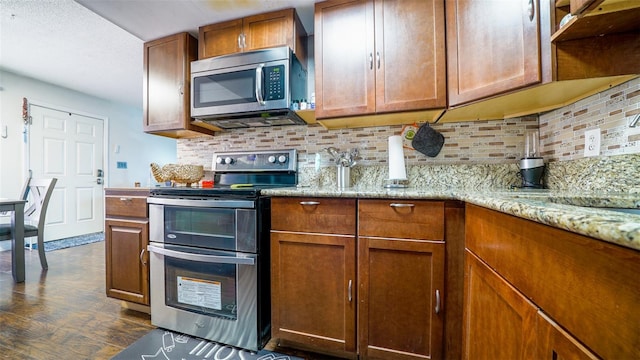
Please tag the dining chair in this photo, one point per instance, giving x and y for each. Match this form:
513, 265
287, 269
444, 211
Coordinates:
37, 192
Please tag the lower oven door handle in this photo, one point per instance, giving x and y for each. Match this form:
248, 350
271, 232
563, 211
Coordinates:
202, 258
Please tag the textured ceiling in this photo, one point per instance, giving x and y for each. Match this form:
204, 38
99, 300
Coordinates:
67, 43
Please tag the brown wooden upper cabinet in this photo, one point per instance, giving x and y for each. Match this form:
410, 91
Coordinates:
277, 28
492, 47
379, 56
512, 58
166, 87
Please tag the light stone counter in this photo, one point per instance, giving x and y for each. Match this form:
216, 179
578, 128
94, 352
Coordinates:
577, 212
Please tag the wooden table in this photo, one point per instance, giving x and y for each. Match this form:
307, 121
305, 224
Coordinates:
16, 206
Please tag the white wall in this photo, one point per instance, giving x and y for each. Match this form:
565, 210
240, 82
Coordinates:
123, 127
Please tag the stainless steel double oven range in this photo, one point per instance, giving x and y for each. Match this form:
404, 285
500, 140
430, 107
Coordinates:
209, 250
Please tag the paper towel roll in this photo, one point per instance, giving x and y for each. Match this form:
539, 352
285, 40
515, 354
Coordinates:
397, 169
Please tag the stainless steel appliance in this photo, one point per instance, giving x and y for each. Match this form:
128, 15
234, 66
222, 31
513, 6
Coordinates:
209, 250
248, 89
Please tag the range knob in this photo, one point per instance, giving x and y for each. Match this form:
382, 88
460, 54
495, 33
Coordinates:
282, 159
219, 160
271, 159
228, 160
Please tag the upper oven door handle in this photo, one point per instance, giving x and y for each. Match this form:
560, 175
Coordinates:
202, 258
209, 203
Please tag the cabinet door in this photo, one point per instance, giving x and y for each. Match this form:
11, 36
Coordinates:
167, 82
127, 261
554, 343
313, 290
401, 292
269, 30
498, 321
410, 55
492, 47
220, 39
344, 58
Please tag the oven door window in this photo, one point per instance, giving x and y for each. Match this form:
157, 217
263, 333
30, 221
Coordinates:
206, 288
200, 226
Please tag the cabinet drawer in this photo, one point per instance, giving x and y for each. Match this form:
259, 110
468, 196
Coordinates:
316, 215
409, 219
127, 206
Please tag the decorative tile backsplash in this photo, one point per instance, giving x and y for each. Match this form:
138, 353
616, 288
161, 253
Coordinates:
490, 148
562, 130
480, 142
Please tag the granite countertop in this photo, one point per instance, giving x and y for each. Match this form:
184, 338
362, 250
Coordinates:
578, 212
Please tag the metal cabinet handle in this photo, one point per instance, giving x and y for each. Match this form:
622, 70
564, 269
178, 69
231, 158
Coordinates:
244, 41
350, 286
181, 89
303, 203
371, 61
126, 199
399, 205
437, 301
239, 41
142, 258
531, 9
378, 59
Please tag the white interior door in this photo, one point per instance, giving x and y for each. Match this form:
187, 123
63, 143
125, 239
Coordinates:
70, 148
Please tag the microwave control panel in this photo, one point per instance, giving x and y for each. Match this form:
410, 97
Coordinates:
274, 76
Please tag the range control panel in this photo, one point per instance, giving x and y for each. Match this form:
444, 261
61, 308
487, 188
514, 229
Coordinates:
250, 161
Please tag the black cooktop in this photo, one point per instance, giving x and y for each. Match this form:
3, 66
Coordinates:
226, 191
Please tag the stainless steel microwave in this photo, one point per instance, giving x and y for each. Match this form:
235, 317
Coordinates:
248, 89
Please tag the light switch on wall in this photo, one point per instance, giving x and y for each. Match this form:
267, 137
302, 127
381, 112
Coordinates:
592, 142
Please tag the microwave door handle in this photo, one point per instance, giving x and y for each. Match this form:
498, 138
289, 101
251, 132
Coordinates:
259, 79
201, 258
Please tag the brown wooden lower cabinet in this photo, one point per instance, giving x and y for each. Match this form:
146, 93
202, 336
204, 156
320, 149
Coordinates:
127, 275
501, 323
313, 273
399, 292
126, 239
536, 291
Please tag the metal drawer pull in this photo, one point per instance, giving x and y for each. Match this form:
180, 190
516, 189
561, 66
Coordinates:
126, 199
437, 301
309, 203
141, 257
401, 205
350, 283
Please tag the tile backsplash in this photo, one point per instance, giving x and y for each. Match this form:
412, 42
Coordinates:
562, 130
470, 146
481, 142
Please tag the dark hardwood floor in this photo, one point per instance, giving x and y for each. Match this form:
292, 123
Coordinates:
63, 313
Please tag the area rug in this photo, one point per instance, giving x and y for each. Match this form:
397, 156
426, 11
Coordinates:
160, 344
69, 242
